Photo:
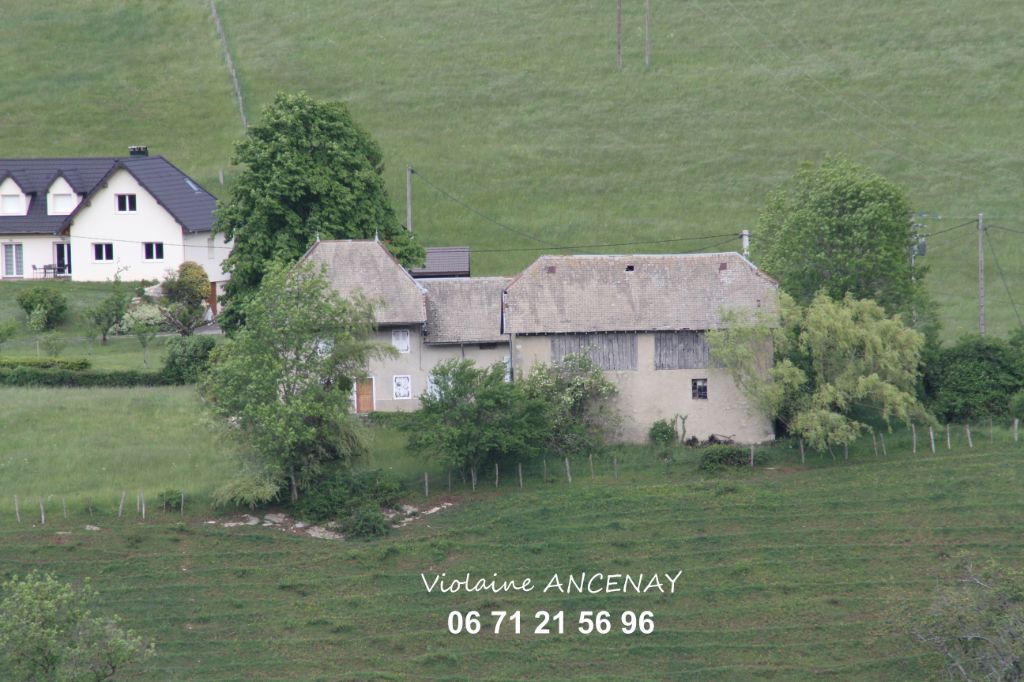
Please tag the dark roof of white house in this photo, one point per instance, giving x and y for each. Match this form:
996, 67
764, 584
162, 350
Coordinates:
444, 261
188, 203
567, 294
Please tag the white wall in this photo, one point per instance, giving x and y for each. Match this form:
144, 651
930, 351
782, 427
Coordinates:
61, 186
37, 249
197, 248
9, 186
99, 221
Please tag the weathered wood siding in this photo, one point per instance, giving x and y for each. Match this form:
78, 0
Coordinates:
680, 350
614, 351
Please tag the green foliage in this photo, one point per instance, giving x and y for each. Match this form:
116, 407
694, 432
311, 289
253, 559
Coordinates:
46, 363
170, 500
105, 315
187, 358
248, 488
59, 377
974, 622
51, 302
1017, 405
8, 329
715, 457
309, 171
185, 292
283, 382
341, 492
839, 364
47, 632
663, 432
53, 343
37, 320
366, 521
473, 416
973, 378
577, 405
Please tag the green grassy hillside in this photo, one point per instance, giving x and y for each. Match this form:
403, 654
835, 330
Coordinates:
517, 109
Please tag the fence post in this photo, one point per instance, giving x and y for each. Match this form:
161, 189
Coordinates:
931, 437
970, 441
545, 469
120, 507
568, 471
495, 474
142, 497
751, 455
874, 442
472, 476
17, 509
949, 441
1016, 429
846, 451
590, 458
519, 469
42, 513
802, 461
913, 432
881, 436
426, 485
181, 509
615, 466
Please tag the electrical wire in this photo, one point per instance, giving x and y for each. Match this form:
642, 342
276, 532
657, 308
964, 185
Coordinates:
1006, 284
1005, 229
950, 229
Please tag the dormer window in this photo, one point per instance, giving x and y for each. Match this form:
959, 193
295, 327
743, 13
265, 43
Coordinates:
62, 204
12, 204
125, 203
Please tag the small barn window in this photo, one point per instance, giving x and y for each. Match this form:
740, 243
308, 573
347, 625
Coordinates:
699, 389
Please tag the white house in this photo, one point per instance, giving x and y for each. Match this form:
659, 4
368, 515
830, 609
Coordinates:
86, 219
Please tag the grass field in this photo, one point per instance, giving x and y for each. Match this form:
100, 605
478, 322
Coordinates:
788, 572
517, 109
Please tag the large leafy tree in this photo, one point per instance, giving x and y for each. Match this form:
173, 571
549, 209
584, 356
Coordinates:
840, 366
284, 381
309, 170
843, 229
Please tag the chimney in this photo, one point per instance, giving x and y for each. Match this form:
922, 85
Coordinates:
138, 150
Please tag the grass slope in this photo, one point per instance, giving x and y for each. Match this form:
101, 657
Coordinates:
517, 109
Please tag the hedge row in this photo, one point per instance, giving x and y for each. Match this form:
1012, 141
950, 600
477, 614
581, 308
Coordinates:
64, 378
77, 364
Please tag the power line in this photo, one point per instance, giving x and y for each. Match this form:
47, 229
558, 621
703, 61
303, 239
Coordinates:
1006, 285
955, 227
103, 240
570, 247
486, 217
1007, 229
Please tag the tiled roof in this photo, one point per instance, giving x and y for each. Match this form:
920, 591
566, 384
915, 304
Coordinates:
189, 204
464, 310
565, 294
444, 261
368, 267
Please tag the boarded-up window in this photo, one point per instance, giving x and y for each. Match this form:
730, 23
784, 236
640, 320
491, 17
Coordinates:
680, 350
608, 351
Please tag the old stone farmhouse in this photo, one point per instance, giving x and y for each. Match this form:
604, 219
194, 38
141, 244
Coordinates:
641, 318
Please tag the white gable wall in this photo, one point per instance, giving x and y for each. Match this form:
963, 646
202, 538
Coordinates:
10, 187
60, 186
99, 222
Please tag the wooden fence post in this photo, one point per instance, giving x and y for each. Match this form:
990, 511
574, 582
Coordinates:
426, 485
42, 513
881, 436
846, 451
142, 498
568, 471
472, 476
970, 441
590, 458
1016, 429
802, 461
17, 509
120, 507
874, 442
519, 468
751, 455
931, 437
495, 474
181, 509
949, 440
913, 432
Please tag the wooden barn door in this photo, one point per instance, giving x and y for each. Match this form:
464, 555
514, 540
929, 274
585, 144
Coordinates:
364, 396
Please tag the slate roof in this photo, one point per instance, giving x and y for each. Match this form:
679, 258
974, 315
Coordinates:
367, 266
565, 294
465, 310
189, 204
444, 261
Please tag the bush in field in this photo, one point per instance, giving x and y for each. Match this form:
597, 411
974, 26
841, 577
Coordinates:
53, 343
715, 457
47, 632
53, 304
339, 493
110, 311
185, 292
975, 377
365, 522
187, 358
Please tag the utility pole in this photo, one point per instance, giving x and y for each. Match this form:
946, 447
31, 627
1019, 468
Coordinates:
981, 273
745, 242
647, 33
618, 34
408, 197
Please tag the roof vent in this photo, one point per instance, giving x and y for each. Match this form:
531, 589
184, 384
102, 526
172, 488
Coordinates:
723, 266
630, 268
551, 269
138, 150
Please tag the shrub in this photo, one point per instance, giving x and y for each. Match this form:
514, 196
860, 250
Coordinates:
54, 377
187, 358
663, 433
973, 378
339, 493
7, 331
170, 500
248, 488
715, 457
76, 364
365, 522
54, 344
53, 304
